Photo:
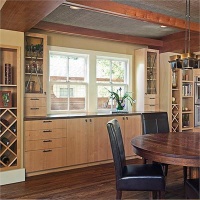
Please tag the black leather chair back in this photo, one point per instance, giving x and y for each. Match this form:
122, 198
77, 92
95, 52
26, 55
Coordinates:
155, 122
117, 146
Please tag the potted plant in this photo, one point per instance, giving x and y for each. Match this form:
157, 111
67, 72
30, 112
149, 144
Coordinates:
120, 100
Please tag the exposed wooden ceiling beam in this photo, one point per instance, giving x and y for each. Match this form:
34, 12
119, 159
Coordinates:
23, 15
122, 10
66, 29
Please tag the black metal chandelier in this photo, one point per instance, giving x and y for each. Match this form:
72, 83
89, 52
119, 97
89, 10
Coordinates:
186, 60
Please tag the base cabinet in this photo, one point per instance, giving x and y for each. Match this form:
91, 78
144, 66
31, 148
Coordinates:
130, 127
45, 144
51, 144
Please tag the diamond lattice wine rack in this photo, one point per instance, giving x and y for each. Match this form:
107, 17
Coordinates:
9, 107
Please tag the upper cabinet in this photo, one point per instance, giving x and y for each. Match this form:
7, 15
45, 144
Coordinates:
147, 79
35, 74
9, 107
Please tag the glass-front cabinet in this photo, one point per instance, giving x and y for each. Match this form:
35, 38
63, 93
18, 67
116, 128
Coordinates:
35, 74
147, 79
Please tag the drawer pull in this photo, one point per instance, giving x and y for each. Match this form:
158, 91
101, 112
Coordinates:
34, 108
47, 131
151, 105
151, 98
47, 140
49, 150
48, 121
34, 99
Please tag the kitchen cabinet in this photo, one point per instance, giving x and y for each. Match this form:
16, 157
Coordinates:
10, 116
98, 139
72, 142
130, 127
147, 79
35, 74
45, 144
77, 141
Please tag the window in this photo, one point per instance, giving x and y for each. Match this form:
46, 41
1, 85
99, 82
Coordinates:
111, 74
68, 81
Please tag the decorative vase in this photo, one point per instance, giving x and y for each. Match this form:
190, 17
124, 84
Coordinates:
120, 106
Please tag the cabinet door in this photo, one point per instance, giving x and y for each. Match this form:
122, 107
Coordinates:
98, 139
132, 128
45, 159
35, 73
76, 141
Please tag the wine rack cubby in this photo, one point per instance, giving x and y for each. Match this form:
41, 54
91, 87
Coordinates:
9, 107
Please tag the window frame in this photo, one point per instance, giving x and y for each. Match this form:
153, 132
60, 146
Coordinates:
91, 105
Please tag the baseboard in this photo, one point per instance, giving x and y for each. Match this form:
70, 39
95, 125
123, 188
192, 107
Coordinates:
12, 176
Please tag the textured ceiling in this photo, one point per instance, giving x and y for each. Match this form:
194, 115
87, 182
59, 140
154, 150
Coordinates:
104, 22
174, 8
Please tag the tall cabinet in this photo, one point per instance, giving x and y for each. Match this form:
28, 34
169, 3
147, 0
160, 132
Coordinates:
147, 79
10, 116
176, 95
35, 74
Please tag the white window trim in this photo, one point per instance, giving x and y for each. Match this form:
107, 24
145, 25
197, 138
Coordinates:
91, 105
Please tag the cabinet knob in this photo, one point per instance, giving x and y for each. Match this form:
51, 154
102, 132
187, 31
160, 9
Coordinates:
48, 150
126, 118
123, 118
34, 108
85, 120
47, 140
34, 99
90, 120
47, 131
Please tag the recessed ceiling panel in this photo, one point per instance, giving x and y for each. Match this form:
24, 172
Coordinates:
105, 22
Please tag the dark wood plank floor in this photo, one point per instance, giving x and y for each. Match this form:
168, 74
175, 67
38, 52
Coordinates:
97, 182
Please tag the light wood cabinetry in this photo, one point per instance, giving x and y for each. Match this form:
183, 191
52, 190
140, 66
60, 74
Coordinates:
177, 95
147, 79
10, 116
76, 141
45, 144
130, 127
71, 142
98, 139
35, 74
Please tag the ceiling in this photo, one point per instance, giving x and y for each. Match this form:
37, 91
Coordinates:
107, 22
132, 21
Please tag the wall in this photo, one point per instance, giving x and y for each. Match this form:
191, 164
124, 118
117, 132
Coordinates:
86, 43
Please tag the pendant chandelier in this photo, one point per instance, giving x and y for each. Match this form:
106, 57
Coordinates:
186, 60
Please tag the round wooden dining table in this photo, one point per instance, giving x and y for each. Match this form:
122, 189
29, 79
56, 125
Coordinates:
176, 148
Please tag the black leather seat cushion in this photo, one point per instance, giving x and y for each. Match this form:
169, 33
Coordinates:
192, 188
142, 177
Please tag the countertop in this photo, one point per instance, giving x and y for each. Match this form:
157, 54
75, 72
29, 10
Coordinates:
81, 115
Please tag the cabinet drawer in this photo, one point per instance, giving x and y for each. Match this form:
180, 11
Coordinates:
151, 107
45, 144
45, 124
35, 111
45, 159
44, 134
151, 100
35, 102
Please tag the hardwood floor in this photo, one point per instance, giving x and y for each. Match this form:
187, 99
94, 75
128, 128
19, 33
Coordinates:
97, 182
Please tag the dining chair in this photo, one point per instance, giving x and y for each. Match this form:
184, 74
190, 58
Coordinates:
133, 177
192, 189
157, 122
